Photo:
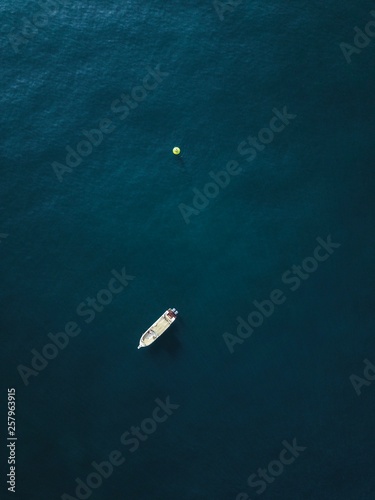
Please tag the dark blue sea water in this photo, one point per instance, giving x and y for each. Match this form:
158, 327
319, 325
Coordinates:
64, 228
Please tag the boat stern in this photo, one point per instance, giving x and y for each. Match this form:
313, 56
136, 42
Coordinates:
172, 313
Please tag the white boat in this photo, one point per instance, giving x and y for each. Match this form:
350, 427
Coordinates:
158, 328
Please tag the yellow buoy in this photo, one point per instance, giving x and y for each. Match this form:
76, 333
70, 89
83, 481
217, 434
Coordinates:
176, 151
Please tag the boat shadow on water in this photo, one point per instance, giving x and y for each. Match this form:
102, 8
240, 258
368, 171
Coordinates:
168, 342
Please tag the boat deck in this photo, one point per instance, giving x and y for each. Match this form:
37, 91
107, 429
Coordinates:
156, 329
159, 327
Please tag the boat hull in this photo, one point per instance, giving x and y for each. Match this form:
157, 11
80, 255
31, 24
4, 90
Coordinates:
158, 328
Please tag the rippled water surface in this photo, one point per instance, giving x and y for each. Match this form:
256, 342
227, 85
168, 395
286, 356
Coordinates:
69, 221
